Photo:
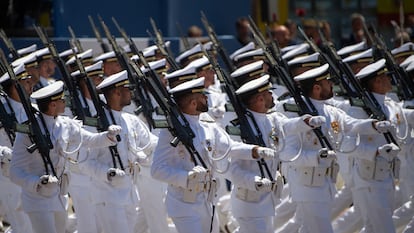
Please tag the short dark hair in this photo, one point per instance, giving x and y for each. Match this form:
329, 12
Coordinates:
240, 21
307, 86
366, 83
7, 86
43, 106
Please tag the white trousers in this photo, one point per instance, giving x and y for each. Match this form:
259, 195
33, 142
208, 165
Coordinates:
314, 217
48, 221
341, 202
376, 208
196, 224
256, 225
404, 214
152, 194
85, 209
116, 218
348, 222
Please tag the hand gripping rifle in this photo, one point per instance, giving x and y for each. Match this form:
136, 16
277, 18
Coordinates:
217, 43
304, 106
246, 131
75, 104
39, 135
165, 51
75, 41
102, 123
9, 44
404, 83
98, 36
140, 96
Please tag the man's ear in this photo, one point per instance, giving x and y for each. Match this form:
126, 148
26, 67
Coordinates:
52, 105
316, 88
193, 102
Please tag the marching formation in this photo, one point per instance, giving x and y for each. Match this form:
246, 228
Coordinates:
283, 135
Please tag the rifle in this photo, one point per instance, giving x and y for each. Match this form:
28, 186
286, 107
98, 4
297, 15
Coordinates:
341, 69
102, 123
8, 120
246, 131
40, 138
400, 77
104, 46
303, 103
184, 39
177, 124
75, 41
75, 104
140, 96
9, 45
360, 96
337, 71
216, 43
165, 51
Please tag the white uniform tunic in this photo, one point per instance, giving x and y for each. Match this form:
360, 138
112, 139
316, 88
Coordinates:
117, 204
374, 196
10, 192
66, 136
153, 213
80, 184
405, 213
256, 215
312, 193
172, 164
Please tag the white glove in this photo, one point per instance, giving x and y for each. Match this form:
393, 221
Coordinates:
265, 153
262, 184
5, 158
198, 175
326, 157
384, 126
114, 130
47, 185
6, 152
388, 151
218, 112
316, 121
116, 177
